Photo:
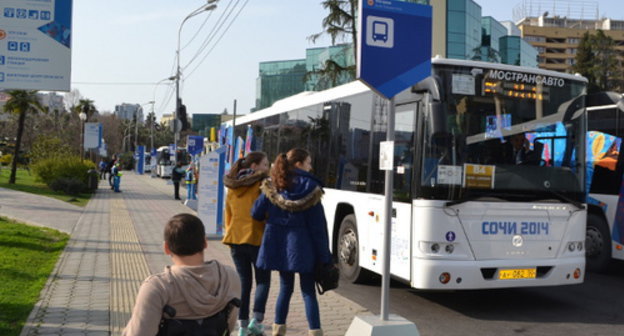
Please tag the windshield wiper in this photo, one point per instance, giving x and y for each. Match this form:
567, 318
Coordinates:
566, 199
472, 197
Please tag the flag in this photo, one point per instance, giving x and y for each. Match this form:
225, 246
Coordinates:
248, 140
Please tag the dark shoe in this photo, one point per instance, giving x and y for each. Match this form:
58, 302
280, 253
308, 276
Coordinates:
177, 198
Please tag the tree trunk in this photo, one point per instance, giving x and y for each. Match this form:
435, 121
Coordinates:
18, 142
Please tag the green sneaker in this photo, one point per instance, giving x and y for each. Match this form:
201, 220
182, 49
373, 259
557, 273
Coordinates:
255, 328
243, 332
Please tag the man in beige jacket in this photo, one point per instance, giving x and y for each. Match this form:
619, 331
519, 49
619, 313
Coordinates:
194, 288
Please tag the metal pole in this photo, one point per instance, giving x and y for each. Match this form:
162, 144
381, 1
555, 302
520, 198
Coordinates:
385, 282
176, 135
234, 120
81, 139
152, 120
136, 128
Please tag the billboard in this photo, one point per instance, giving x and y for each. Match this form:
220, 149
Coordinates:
35, 44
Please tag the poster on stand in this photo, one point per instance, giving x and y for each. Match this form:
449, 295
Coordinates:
210, 192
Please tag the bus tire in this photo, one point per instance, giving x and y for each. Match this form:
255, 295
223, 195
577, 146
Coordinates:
597, 244
348, 251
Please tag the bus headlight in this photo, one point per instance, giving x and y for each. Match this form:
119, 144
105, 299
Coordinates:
435, 248
571, 246
579, 246
449, 248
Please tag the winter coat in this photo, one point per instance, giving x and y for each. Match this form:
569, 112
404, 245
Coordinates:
176, 174
239, 227
194, 292
295, 237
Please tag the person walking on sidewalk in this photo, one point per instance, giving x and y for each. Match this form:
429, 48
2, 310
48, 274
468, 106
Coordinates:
294, 239
109, 170
102, 167
244, 234
191, 183
194, 288
176, 176
116, 172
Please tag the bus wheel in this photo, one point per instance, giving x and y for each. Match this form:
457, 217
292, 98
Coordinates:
597, 244
348, 251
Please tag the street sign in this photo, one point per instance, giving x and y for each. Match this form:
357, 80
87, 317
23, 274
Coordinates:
395, 48
92, 135
35, 45
175, 125
194, 144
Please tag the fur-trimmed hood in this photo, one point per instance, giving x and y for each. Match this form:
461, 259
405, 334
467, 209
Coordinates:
306, 192
244, 181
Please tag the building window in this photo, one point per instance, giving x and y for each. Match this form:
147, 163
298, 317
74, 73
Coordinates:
555, 40
530, 38
572, 51
574, 40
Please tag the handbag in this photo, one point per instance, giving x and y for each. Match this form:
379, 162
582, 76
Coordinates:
326, 277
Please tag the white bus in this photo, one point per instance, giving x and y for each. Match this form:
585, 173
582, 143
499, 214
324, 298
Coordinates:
164, 162
605, 218
470, 210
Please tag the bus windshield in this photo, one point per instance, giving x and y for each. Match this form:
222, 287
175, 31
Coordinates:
505, 134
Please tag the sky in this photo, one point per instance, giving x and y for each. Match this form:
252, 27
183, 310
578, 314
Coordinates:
122, 48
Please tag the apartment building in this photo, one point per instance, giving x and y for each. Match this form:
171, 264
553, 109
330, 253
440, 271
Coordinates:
556, 32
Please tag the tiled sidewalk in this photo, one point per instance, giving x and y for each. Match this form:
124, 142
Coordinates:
114, 243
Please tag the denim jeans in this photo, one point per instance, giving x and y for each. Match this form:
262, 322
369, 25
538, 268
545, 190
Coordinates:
287, 283
244, 257
190, 191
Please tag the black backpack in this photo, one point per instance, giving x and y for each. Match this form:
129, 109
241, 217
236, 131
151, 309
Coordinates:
215, 325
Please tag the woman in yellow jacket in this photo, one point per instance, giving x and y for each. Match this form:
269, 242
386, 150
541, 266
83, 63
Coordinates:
244, 235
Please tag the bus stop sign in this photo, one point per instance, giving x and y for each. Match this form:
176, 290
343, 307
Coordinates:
394, 49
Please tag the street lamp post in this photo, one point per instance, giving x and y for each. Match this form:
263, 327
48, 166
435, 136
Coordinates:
83, 118
210, 5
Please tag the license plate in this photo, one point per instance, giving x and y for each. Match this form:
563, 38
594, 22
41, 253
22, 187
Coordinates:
525, 273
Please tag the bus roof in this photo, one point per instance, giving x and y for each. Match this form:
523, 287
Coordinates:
308, 98
506, 67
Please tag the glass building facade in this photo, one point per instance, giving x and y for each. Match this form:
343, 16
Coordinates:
463, 29
279, 79
202, 122
516, 51
491, 32
317, 61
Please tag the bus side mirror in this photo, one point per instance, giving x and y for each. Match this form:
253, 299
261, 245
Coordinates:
436, 119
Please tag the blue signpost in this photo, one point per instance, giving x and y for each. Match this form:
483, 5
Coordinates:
394, 53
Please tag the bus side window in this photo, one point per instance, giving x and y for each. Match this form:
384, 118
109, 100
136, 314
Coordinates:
603, 172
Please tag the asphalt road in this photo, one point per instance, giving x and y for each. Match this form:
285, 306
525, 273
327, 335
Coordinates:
595, 307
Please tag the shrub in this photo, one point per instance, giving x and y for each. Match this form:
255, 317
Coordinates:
58, 170
46, 147
68, 185
127, 161
6, 159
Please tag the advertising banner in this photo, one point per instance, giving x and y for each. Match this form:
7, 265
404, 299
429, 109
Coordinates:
92, 135
210, 191
35, 44
140, 168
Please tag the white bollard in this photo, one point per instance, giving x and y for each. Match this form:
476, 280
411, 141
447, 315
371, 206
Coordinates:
372, 325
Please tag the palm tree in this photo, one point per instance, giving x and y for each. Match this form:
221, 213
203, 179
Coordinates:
86, 106
20, 103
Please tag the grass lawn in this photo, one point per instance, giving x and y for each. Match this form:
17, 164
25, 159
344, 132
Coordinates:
29, 254
25, 181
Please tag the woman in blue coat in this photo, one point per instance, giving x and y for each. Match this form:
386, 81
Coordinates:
295, 237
